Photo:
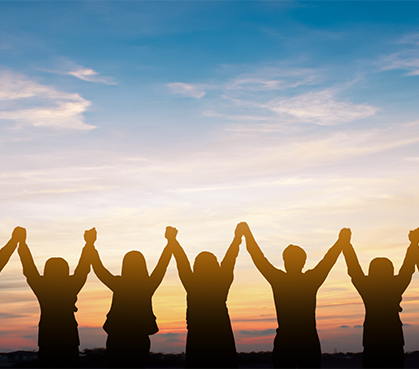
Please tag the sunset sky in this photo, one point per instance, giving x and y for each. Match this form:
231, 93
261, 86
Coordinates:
298, 117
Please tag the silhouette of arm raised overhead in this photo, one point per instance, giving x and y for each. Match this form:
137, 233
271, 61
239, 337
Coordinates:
104, 275
322, 269
354, 268
9, 248
410, 260
229, 261
261, 262
79, 277
159, 271
183, 265
30, 271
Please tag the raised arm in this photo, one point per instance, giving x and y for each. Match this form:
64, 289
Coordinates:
30, 271
79, 277
260, 261
410, 260
104, 275
229, 261
161, 267
183, 265
352, 262
322, 269
10, 247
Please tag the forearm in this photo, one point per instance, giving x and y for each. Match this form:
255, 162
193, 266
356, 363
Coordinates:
352, 263
83, 266
6, 252
28, 264
161, 267
231, 254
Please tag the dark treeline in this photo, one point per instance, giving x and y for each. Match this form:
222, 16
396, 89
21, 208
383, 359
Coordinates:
210, 341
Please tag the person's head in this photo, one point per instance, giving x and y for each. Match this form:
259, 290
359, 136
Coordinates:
56, 268
381, 268
206, 264
134, 265
294, 258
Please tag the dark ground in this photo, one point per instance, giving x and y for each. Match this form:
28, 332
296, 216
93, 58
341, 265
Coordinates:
96, 358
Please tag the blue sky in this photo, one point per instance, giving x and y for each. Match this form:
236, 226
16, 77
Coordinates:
298, 117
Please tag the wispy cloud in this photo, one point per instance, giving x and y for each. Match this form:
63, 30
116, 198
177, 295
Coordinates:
29, 103
187, 90
407, 59
90, 75
322, 108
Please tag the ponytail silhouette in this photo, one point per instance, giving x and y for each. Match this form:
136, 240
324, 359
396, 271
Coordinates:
56, 291
130, 320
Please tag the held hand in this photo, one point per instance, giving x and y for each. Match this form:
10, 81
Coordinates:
90, 236
171, 233
242, 229
414, 236
19, 234
345, 235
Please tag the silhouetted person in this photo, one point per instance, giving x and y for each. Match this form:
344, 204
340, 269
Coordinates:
210, 341
382, 292
130, 320
9, 248
296, 343
56, 290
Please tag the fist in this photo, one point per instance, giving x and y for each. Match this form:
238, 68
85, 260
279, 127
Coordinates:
241, 229
345, 235
171, 233
19, 234
414, 236
90, 235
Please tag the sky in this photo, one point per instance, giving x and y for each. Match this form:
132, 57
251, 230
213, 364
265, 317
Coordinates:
298, 117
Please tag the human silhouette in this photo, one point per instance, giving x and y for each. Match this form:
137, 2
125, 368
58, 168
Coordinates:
296, 343
130, 320
381, 292
9, 248
57, 290
210, 341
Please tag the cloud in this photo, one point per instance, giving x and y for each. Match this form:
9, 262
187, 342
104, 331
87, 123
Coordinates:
29, 103
170, 337
407, 59
90, 75
358, 326
259, 333
187, 90
11, 316
320, 108
344, 326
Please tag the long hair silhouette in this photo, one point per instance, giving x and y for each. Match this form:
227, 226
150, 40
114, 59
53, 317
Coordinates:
210, 341
130, 320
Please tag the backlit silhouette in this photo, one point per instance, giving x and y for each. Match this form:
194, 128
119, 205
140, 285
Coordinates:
57, 290
296, 343
9, 248
210, 341
382, 292
130, 320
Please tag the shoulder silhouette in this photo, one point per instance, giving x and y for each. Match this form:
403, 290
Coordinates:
130, 320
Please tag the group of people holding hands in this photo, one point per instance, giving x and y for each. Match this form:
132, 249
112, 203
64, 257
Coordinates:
210, 340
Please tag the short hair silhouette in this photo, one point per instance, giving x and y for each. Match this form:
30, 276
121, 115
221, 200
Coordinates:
296, 343
130, 320
56, 291
381, 292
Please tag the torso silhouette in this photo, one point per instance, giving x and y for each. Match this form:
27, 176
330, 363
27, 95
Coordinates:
131, 310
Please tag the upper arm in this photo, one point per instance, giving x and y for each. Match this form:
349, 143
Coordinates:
161, 267
183, 265
229, 261
104, 275
354, 268
260, 261
78, 279
408, 267
322, 269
